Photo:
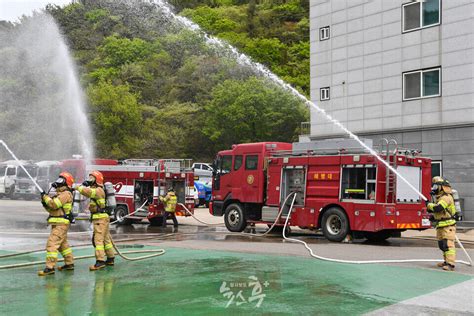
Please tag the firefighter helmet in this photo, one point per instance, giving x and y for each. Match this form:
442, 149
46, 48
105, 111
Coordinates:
170, 189
65, 178
440, 184
98, 176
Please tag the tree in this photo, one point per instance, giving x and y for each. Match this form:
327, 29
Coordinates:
117, 118
252, 110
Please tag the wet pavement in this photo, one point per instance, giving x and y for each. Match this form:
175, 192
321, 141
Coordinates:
208, 271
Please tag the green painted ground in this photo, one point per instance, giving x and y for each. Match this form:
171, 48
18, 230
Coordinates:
190, 282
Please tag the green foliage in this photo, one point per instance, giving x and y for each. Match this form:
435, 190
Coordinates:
158, 91
251, 110
116, 115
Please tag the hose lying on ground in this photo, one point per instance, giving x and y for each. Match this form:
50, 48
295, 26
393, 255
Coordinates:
331, 259
362, 261
121, 254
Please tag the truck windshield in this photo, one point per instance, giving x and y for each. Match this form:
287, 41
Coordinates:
32, 170
43, 172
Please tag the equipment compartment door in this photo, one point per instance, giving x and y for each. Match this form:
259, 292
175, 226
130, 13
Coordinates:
293, 180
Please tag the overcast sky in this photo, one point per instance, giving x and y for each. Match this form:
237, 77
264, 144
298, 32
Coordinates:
12, 9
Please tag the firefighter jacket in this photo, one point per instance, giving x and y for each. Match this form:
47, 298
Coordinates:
58, 206
170, 201
97, 203
443, 211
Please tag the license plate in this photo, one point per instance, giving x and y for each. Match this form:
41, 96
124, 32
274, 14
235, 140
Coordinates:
425, 222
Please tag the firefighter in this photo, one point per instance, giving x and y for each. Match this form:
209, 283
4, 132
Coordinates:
444, 215
170, 201
101, 240
59, 208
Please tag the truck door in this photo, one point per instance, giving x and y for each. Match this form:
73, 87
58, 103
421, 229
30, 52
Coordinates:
222, 179
252, 178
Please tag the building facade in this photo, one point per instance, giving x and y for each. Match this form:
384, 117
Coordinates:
403, 70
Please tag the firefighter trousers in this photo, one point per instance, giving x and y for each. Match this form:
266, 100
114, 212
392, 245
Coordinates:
446, 237
57, 242
101, 239
172, 215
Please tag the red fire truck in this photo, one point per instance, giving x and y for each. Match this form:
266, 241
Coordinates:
340, 188
140, 182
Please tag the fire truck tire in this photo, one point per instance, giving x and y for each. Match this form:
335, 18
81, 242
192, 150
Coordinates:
335, 224
156, 221
120, 212
234, 218
378, 236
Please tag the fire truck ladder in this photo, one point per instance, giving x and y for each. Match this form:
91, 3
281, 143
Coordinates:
390, 177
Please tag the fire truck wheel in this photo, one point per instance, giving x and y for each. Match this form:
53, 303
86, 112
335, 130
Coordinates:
120, 212
335, 224
156, 221
235, 218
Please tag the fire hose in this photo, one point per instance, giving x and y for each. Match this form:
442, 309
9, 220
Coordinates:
332, 259
160, 252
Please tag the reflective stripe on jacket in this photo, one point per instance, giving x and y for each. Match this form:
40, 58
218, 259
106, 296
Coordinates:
58, 206
446, 211
97, 196
170, 201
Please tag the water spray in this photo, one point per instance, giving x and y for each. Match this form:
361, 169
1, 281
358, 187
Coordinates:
244, 60
21, 165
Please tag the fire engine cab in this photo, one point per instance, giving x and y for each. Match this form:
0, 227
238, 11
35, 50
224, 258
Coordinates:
340, 188
139, 183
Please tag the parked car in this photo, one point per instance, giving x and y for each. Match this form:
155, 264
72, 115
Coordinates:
202, 171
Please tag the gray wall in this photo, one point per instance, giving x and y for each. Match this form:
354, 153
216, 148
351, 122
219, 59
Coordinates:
363, 62
367, 53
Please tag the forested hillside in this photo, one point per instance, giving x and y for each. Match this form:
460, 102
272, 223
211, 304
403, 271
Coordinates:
156, 89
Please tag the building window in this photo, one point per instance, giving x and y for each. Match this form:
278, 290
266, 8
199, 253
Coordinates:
422, 84
324, 33
421, 14
324, 93
436, 169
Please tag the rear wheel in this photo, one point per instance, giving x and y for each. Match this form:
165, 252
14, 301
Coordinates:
120, 212
156, 221
234, 218
378, 236
335, 224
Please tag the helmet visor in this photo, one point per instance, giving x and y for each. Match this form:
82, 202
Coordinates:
59, 182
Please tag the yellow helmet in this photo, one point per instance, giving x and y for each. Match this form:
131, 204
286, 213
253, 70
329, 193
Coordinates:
440, 184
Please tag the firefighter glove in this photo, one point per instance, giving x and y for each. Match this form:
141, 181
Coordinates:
427, 202
429, 207
86, 183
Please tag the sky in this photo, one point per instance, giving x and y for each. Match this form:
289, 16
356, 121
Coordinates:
12, 9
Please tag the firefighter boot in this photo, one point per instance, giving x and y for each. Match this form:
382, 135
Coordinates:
448, 267
46, 271
110, 261
97, 266
441, 264
66, 267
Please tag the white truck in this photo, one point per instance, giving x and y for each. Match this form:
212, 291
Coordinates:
8, 175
